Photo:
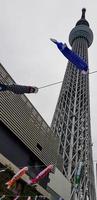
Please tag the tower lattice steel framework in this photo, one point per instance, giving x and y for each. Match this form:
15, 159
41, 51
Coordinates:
71, 121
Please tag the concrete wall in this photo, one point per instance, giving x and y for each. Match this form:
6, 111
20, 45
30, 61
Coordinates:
60, 185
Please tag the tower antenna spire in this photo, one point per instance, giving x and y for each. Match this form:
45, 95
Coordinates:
82, 20
83, 13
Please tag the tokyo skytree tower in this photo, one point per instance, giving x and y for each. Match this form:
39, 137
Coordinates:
71, 120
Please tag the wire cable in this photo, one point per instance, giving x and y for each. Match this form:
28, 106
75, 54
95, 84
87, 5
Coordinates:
60, 82
50, 84
93, 72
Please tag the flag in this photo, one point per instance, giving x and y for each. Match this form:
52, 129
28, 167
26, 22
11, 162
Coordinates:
16, 177
71, 56
41, 175
18, 89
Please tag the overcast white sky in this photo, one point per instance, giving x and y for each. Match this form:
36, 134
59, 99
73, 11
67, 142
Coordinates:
28, 55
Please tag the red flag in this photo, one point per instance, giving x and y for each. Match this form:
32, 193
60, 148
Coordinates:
17, 176
41, 175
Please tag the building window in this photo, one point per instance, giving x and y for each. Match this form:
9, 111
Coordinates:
39, 146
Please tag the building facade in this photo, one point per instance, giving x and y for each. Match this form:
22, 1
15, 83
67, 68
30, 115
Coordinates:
25, 138
71, 120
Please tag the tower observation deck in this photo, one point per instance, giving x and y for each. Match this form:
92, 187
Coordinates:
71, 120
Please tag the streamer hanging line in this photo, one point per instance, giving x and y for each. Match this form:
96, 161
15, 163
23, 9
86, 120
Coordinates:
50, 85
20, 89
22, 196
4, 169
93, 72
60, 82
